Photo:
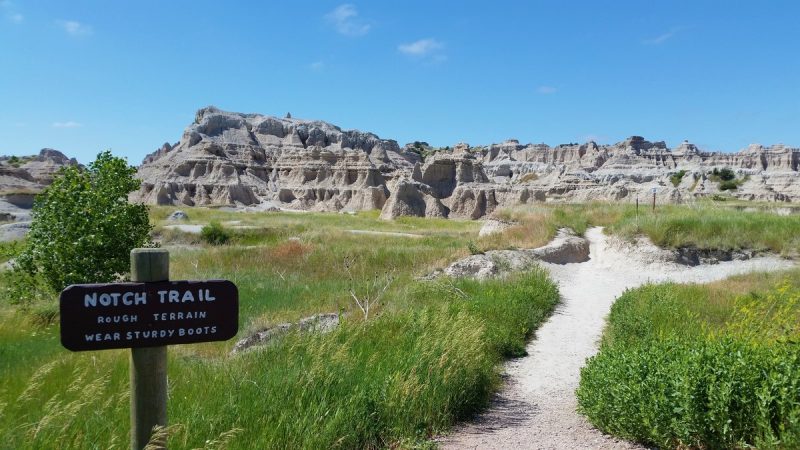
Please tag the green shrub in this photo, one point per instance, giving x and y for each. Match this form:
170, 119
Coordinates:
215, 234
691, 372
473, 248
728, 185
83, 227
678, 393
676, 177
724, 174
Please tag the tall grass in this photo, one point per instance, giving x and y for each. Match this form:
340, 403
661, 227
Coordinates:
711, 227
700, 366
395, 380
428, 357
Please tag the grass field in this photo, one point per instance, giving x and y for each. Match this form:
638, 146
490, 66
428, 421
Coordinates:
427, 356
701, 366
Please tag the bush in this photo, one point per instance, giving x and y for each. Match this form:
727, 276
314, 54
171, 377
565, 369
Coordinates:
724, 174
215, 234
676, 177
473, 248
728, 185
689, 372
83, 227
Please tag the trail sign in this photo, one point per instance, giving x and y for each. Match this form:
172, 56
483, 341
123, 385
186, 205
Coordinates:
134, 315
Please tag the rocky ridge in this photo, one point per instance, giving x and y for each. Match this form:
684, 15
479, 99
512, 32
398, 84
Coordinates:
226, 158
21, 178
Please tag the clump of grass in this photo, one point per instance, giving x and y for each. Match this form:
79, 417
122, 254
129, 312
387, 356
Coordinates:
528, 178
700, 366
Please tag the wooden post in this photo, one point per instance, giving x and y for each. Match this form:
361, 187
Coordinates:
654, 200
148, 364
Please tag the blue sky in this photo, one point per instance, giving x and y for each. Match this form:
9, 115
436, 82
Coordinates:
83, 76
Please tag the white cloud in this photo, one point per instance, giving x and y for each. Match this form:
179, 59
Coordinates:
75, 28
660, 39
16, 17
422, 47
67, 124
345, 19
317, 65
546, 90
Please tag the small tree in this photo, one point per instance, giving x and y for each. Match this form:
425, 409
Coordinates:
83, 227
370, 291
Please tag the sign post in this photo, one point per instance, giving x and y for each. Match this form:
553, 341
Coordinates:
146, 315
148, 364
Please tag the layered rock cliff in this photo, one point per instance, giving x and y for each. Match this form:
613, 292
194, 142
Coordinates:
228, 158
249, 159
21, 178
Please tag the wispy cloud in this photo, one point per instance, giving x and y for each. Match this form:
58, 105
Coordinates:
660, 39
316, 65
546, 90
75, 28
67, 124
346, 21
424, 48
10, 11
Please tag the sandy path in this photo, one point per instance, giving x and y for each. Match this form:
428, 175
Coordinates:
536, 408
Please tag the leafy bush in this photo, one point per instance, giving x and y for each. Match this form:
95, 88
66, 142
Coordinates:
691, 372
676, 177
724, 174
679, 393
83, 227
215, 234
728, 185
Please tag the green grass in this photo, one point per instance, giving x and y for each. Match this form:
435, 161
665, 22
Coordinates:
709, 227
700, 366
427, 357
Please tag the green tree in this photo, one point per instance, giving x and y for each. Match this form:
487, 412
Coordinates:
83, 227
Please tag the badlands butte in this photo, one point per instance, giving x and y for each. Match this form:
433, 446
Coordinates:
255, 161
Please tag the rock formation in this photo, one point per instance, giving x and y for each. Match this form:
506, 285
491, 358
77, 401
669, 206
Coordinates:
266, 162
250, 159
21, 178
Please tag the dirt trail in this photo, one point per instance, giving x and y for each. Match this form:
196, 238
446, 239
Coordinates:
536, 408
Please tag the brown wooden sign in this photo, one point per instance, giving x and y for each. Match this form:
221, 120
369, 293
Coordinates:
132, 315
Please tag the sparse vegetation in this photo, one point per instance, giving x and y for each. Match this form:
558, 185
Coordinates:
528, 177
700, 366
